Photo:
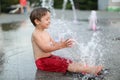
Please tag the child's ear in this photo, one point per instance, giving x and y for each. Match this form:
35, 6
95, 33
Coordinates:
37, 22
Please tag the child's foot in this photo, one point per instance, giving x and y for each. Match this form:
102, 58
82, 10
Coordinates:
99, 68
95, 69
104, 72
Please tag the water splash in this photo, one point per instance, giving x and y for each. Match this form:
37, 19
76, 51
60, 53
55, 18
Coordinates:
89, 53
49, 5
93, 20
86, 52
73, 8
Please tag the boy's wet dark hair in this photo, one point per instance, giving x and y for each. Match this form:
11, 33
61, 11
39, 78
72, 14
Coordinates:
38, 13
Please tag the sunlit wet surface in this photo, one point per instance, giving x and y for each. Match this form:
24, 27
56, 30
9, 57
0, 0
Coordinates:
16, 55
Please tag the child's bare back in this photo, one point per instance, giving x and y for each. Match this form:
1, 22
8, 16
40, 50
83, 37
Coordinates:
40, 38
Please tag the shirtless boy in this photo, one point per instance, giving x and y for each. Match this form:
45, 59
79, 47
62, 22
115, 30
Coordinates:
44, 45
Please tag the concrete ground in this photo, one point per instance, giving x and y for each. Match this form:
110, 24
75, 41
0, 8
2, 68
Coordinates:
16, 55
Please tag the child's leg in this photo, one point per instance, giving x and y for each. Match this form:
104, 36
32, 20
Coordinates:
77, 67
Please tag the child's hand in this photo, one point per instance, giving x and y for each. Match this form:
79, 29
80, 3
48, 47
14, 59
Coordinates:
67, 43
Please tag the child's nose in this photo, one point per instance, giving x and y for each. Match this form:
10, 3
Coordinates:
49, 22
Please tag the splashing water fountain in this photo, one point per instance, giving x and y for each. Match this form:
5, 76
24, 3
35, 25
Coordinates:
93, 20
90, 53
49, 4
73, 8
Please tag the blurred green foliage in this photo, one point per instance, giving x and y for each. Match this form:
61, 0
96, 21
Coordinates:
86, 4
6, 3
58, 4
35, 2
79, 4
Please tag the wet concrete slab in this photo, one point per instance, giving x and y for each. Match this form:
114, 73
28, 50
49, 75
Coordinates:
16, 55
17, 60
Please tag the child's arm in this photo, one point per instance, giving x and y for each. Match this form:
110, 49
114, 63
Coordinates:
46, 47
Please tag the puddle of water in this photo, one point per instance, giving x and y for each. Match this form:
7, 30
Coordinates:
10, 26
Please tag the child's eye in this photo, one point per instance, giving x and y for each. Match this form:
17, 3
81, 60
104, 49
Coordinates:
47, 19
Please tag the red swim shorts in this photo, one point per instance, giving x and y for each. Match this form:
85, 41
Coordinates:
53, 64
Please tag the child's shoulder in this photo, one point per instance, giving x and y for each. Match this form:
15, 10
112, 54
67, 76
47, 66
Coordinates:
34, 33
37, 33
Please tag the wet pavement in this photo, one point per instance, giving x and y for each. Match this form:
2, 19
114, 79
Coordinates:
16, 55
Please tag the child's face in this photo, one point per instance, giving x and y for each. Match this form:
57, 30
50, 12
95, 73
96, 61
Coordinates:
45, 21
